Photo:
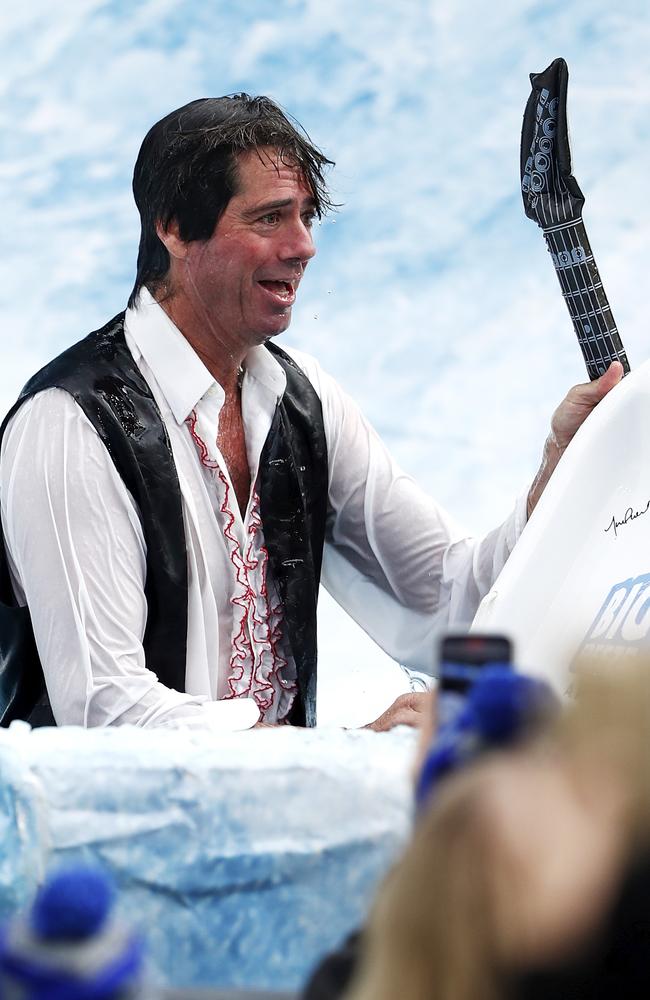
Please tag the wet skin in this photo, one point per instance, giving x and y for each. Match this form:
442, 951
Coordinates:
237, 288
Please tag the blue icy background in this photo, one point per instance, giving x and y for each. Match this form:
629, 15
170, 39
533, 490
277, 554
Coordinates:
433, 299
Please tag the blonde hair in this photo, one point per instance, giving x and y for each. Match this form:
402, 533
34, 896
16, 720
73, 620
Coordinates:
429, 934
433, 931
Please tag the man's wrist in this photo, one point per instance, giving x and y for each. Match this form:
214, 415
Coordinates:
550, 457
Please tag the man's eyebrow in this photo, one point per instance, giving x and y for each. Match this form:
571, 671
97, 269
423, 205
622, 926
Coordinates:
271, 206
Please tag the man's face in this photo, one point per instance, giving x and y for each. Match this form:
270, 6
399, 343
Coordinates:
244, 279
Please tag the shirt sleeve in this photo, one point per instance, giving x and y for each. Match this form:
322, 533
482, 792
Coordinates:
394, 559
77, 558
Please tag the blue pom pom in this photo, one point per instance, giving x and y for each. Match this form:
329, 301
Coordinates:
498, 708
502, 702
72, 905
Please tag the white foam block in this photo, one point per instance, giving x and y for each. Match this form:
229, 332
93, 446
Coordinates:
242, 858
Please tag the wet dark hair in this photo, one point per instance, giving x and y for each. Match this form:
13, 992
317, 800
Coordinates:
186, 169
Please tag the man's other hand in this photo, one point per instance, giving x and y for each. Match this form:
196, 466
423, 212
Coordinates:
407, 710
579, 402
569, 416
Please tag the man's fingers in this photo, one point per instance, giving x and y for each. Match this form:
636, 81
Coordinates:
579, 402
407, 717
407, 710
418, 701
612, 377
396, 716
592, 392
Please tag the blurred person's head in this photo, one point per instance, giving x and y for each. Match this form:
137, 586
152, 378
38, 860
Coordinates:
514, 874
187, 170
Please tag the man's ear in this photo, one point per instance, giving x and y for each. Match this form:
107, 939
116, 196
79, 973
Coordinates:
171, 240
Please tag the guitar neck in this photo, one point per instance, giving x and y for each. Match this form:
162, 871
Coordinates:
585, 297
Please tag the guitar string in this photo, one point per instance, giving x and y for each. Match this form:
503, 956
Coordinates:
579, 317
602, 311
608, 353
582, 311
563, 279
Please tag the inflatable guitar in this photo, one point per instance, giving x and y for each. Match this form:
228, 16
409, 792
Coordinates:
554, 201
579, 577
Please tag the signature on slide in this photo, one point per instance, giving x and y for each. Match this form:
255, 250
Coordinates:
630, 515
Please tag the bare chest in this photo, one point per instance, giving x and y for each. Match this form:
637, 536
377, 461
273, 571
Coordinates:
232, 445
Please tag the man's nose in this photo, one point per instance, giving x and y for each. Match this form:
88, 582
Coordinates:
299, 244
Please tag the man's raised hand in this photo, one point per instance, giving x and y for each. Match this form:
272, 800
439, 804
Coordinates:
569, 416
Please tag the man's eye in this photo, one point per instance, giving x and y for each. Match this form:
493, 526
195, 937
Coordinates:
309, 219
270, 218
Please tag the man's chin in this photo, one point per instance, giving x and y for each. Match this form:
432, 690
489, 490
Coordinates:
276, 327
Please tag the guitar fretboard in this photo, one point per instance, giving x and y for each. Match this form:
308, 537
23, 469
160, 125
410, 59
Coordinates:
585, 297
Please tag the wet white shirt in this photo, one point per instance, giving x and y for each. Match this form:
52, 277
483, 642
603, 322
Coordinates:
393, 558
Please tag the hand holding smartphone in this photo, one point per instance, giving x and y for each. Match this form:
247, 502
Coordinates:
461, 660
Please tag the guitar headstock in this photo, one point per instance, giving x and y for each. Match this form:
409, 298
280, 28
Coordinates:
550, 191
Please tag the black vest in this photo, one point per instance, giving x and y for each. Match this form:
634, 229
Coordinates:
99, 372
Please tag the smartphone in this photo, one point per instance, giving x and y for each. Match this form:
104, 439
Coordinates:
461, 659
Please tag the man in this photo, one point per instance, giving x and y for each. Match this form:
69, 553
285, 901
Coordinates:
169, 484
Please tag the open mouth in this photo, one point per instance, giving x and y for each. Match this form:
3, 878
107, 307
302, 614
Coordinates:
283, 291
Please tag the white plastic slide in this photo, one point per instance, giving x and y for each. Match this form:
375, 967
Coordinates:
579, 577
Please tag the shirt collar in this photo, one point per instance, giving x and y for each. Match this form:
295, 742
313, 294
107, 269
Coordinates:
183, 378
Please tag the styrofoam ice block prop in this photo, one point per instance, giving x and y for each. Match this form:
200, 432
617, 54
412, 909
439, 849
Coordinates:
242, 858
579, 577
